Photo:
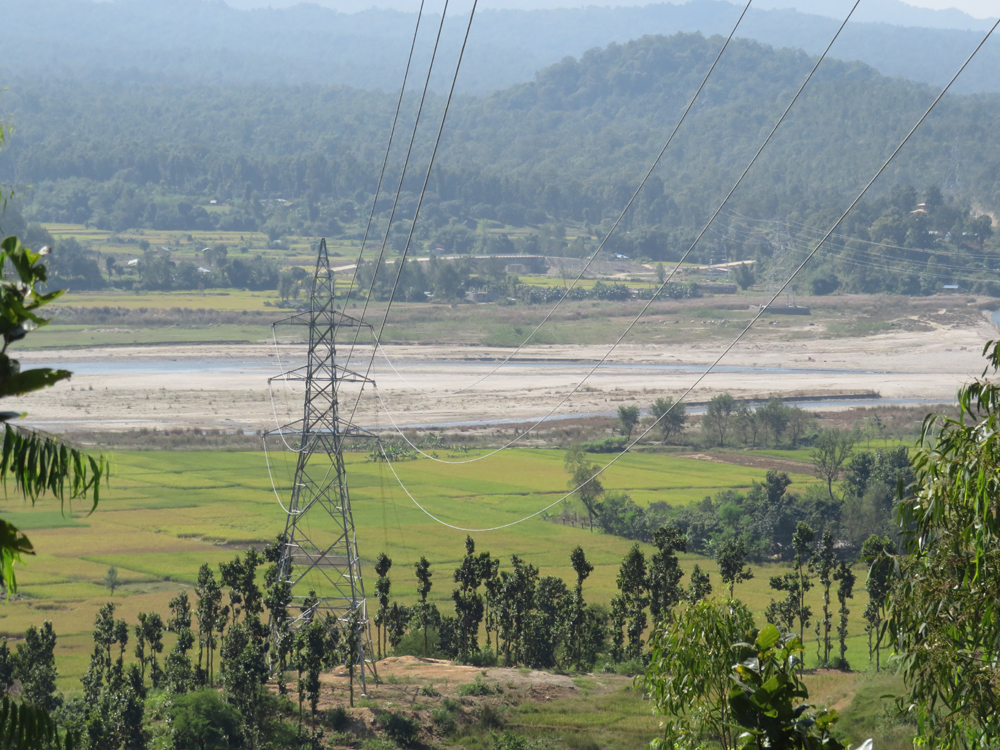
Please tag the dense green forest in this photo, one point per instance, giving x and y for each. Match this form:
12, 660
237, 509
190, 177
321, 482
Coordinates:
567, 148
573, 142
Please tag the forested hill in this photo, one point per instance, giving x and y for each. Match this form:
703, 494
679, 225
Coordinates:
572, 143
201, 41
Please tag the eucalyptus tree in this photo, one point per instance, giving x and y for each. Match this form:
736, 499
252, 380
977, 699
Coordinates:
34, 667
878, 552
825, 565
795, 584
845, 590
700, 587
209, 616
731, 556
628, 418
177, 666
688, 679
632, 600
313, 654
672, 416
583, 481
149, 643
469, 607
382, 588
718, 418
665, 574
489, 573
831, 450
577, 607
517, 600
424, 584
35, 464
350, 643
944, 606
546, 633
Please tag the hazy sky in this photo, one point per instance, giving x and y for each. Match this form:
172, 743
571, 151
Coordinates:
977, 8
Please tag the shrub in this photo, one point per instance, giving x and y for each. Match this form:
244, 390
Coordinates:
479, 688
629, 667
484, 657
428, 691
490, 716
412, 644
338, 719
203, 721
581, 742
507, 740
402, 730
609, 445
444, 720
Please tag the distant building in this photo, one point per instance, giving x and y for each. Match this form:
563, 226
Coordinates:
481, 296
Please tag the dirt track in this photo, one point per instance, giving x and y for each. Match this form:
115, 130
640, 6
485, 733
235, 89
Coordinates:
928, 364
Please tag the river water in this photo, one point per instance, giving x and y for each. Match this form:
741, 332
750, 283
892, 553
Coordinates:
208, 366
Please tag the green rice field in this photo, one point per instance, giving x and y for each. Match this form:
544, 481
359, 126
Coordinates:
167, 513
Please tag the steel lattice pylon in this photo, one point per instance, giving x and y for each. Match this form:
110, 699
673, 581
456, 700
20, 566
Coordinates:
320, 553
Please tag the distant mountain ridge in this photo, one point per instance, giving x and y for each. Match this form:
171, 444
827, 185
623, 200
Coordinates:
573, 141
210, 42
894, 12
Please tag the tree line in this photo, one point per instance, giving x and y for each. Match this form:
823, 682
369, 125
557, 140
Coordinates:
159, 172
932, 602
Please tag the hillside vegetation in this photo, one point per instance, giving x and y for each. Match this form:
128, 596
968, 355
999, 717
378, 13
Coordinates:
520, 166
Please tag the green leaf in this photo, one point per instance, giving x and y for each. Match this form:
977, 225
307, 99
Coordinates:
27, 727
32, 380
768, 636
13, 544
40, 464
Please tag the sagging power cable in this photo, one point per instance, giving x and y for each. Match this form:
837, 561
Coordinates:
388, 148
607, 236
760, 312
416, 213
662, 286
402, 177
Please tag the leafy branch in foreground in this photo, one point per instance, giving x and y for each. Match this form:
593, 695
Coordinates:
36, 464
26, 727
944, 611
688, 678
768, 697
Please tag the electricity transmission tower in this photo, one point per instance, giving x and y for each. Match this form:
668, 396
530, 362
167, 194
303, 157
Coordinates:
782, 252
319, 558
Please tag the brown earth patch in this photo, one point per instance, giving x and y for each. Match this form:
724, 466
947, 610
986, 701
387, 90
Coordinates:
414, 687
752, 461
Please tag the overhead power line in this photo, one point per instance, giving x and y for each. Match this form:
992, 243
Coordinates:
806, 229
388, 148
600, 247
735, 341
666, 280
399, 187
420, 202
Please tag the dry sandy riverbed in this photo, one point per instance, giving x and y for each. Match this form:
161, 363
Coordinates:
226, 386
